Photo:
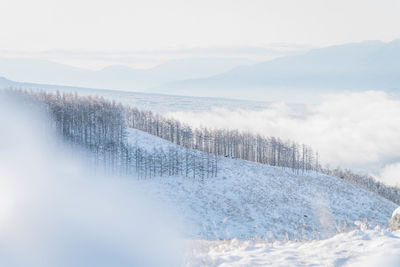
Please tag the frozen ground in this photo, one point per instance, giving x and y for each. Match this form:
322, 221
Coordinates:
360, 248
251, 200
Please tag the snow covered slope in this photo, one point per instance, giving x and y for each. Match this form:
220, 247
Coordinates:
250, 200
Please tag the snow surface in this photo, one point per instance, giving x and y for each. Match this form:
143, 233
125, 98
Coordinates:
360, 248
252, 200
148, 141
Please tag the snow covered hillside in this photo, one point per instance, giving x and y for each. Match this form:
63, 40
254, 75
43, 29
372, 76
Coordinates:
249, 200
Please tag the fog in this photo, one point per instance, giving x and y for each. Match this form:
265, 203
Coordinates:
353, 130
54, 212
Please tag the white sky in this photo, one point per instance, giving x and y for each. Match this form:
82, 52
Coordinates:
128, 25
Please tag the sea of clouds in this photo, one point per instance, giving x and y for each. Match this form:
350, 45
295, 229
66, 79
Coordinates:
353, 130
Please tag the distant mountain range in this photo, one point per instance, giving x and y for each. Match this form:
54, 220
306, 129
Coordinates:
352, 67
115, 77
356, 66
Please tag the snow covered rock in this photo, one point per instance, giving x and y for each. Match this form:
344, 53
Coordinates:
395, 220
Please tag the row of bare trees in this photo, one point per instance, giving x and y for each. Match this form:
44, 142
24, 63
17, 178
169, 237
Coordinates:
101, 127
230, 143
367, 182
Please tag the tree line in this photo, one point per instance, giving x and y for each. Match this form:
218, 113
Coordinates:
229, 143
367, 182
100, 126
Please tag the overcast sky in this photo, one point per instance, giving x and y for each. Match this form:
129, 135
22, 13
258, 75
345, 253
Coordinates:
131, 25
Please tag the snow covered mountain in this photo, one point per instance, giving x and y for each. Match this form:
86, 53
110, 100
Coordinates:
115, 77
354, 66
265, 215
249, 200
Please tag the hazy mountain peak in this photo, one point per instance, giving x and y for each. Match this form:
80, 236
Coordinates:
115, 76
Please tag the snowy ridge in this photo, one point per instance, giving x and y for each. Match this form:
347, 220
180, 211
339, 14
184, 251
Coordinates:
249, 200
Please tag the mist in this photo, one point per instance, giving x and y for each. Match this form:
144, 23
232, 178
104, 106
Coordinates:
56, 212
352, 130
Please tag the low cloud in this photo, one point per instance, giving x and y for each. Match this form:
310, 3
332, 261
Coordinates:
391, 174
354, 130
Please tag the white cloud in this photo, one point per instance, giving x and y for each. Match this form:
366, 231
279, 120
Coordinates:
356, 130
391, 174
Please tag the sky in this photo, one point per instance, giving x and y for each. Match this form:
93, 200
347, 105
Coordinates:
78, 27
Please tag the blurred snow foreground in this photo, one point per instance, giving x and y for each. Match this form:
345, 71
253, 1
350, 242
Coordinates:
55, 214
